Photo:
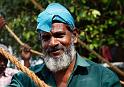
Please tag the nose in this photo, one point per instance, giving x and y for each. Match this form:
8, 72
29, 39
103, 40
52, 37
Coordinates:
53, 42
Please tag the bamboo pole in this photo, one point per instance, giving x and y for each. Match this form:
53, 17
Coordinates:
20, 42
102, 58
39, 7
80, 42
116, 69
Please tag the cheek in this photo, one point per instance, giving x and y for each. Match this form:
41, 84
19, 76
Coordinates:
65, 41
44, 45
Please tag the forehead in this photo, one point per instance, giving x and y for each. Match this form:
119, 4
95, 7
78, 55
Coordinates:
57, 27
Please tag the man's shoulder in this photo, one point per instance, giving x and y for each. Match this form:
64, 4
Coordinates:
94, 67
21, 79
100, 69
11, 71
37, 68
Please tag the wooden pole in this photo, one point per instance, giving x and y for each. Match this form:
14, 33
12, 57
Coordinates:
80, 42
102, 58
20, 42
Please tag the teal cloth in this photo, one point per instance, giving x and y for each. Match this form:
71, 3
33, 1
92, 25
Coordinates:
85, 74
54, 11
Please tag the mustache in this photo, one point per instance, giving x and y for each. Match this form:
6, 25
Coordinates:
55, 48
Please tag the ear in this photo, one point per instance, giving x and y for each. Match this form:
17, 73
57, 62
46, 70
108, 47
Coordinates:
75, 33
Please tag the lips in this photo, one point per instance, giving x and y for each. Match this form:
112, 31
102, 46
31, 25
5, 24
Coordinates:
56, 53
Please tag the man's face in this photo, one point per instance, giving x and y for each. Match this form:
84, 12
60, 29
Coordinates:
58, 47
3, 64
26, 55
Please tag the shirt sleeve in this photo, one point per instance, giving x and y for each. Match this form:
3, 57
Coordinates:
16, 81
21, 80
110, 79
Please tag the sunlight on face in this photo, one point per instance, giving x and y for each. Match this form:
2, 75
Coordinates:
57, 64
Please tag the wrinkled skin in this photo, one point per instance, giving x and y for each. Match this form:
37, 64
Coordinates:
58, 46
25, 52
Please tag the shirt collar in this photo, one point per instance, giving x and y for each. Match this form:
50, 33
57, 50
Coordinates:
81, 61
37, 68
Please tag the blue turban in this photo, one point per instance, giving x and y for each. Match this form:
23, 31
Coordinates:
54, 11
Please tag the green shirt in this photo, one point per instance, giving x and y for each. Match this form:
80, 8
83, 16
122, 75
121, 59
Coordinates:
85, 74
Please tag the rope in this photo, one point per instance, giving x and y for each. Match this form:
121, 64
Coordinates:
80, 42
24, 69
92, 51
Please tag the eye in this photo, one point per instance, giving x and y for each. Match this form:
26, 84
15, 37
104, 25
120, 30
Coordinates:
59, 35
46, 37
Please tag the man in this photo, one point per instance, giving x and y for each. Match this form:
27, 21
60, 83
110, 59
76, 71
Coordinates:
5, 73
26, 57
63, 67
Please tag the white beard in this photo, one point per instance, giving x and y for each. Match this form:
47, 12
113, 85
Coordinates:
57, 64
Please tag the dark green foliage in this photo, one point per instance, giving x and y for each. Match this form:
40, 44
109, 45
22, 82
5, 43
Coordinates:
99, 21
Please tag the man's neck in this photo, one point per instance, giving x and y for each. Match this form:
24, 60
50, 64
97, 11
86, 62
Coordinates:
62, 76
27, 63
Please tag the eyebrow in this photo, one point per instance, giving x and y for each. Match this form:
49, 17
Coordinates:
59, 32
44, 34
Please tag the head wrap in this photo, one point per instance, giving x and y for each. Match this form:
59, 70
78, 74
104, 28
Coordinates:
54, 11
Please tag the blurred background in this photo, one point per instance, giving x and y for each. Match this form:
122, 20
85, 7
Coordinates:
100, 24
